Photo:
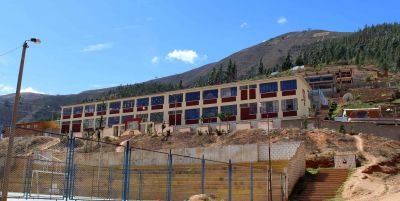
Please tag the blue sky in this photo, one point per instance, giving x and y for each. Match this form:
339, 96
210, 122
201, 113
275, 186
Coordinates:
94, 44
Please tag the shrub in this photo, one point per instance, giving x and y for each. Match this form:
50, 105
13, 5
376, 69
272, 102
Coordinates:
342, 129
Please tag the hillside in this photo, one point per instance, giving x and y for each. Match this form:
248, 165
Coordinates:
378, 44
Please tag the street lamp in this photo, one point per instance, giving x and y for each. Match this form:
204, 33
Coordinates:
14, 120
269, 155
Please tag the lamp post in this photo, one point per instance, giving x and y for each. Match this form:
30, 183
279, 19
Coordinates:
269, 155
14, 120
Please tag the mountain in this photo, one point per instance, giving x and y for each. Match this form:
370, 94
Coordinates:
273, 52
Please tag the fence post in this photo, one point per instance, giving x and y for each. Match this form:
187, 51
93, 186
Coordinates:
169, 181
126, 172
251, 183
282, 193
69, 166
140, 185
203, 171
109, 183
230, 180
28, 177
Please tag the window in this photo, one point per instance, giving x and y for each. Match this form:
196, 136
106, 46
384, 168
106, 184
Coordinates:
128, 104
78, 110
101, 107
288, 85
245, 87
157, 117
103, 122
269, 107
89, 108
210, 94
67, 111
268, 87
115, 105
113, 121
192, 96
88, 123
158, 100
192, 114
253, 86
143, 102
178, 98
210, 112
289, 105
228, 92
143, 117
229, 110
252, 107
125, 118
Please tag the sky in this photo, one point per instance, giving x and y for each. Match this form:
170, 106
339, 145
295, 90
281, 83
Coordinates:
94, 44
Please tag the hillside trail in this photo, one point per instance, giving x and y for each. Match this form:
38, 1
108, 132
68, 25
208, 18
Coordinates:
363, 187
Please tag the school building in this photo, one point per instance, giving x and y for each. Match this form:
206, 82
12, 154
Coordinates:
251, 100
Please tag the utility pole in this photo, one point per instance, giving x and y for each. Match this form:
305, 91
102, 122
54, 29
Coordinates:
10, 150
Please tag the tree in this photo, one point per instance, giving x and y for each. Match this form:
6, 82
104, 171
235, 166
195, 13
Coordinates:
261, 68
220, 75
213, 77
180, 85
299, 61
287, 64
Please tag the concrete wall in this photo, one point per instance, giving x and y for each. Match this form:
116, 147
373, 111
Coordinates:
388, 131
296, 167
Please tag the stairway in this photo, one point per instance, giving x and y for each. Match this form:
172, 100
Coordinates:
324, 186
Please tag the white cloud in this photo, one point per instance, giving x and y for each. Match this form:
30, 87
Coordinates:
281, 20
244, 25
187, 56
96, 47
154, 60
31, 90
4, 89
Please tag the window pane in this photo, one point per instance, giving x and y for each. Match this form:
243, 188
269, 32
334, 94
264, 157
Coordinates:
89, 108
143, 102
159, 100
101, 107
88, 123
288, 85
103, 124
228, 92
289, 105
229, 110
78, 110
157, 117
67, 111
269, 107
143, 117
244, 87
128, 104
193, 96
112, 121
210, 94
192, 114
115, 105
210, 112
125, 118
268, 87
176, 97
253, 108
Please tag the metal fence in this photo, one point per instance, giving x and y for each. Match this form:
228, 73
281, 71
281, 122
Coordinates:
76, 168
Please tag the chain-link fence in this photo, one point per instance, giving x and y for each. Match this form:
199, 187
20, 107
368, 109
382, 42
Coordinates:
56, 167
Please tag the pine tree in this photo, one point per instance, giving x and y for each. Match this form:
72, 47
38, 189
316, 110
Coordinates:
261, 68
220, 75
299, 61
234, 72
213, 77
287, 64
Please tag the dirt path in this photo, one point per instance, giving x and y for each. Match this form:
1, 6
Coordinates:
363, 187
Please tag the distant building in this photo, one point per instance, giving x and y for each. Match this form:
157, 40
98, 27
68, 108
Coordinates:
280, 98
34, 128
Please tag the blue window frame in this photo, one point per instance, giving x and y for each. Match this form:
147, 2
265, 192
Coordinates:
288, 85
229, 109
157, 117
143, 102
210, 94
192, 96
192, 114
210, 112
178, 98
158, 100
269, 87
89, 108
67, 111
112, 121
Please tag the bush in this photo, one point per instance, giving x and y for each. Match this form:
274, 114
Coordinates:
342, 129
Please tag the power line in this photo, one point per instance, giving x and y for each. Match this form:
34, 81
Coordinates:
10, 51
